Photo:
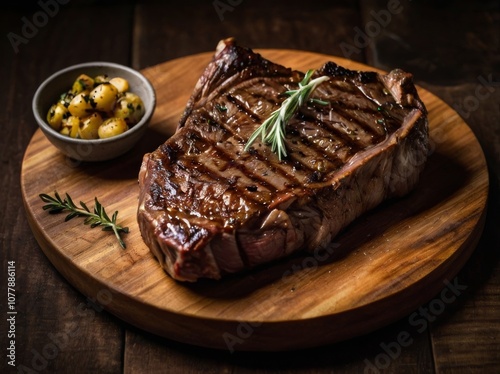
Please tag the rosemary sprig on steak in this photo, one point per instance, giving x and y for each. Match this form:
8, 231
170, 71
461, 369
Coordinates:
272, 130
98, 217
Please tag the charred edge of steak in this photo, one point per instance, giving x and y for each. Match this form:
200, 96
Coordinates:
398, 82
230, 59
208, 208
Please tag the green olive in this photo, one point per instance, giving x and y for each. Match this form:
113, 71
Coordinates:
56, 114
70, 126
95, 108
102, 78
89, 128
112, 127
121, 84
103, 97
80, 105
129, 107
82, 83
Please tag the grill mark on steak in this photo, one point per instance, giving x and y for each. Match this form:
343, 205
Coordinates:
208, 208
328, 150
362, 126
326, 144
289, 175
358, 103
241, 162
222, 168
242, 108
309, 171
225, 167
321, 160
205, 178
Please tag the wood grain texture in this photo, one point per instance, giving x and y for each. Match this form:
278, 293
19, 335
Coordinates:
82, 334
472, 330
386, 264
394, 40
459, 43
260, 23
153, 354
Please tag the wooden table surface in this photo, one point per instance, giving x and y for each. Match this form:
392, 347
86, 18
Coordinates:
451, 47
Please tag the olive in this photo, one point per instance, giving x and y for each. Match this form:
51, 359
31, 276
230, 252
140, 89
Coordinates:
121, 84
82, 83
89, 128
70, 126
112, 127
56, 114
103, 97
129, 107
95, 108
80, 105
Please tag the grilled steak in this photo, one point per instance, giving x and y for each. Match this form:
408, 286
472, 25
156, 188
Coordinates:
208, 207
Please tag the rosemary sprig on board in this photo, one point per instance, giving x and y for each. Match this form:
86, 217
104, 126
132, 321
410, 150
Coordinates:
272, 130
97, 217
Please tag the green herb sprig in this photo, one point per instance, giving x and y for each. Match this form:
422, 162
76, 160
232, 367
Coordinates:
272, 130
98, 217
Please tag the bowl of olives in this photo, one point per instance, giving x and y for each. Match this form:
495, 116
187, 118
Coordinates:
94, 111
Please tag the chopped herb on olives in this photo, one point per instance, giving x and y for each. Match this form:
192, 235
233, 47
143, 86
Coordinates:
96, 108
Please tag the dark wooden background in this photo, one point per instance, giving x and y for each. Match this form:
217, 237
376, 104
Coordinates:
452, 47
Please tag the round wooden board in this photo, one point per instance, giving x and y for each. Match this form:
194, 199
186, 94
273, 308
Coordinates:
386, 264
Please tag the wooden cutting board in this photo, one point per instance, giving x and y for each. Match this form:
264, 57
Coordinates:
385, 265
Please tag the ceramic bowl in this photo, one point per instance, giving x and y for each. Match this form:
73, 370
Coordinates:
60, 82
